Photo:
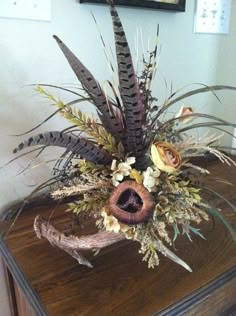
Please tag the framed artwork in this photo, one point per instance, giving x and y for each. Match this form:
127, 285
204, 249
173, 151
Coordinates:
170, 5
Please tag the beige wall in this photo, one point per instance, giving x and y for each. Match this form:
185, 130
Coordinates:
226, 74
28, 55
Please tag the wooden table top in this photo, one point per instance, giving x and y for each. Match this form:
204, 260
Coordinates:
120, 283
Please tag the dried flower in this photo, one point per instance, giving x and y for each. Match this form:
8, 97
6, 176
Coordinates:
165, 157
110, 222
136, 175
151, 179
127, 231
122, 170
163, 200
113, 225
183, 112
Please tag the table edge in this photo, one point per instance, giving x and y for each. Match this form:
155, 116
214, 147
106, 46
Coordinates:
183, 305
28, 291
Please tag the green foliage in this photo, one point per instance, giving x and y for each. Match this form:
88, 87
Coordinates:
86, 124
50, 97
88, 205
88, 167
95, 130
176, 230
188, 229
186, 189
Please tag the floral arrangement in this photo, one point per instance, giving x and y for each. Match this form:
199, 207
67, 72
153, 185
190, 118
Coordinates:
132, 170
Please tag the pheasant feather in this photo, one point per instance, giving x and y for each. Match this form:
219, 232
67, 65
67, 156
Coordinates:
73, 144
129, 89
111, 122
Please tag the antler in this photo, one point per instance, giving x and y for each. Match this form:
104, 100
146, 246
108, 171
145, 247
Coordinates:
73, 244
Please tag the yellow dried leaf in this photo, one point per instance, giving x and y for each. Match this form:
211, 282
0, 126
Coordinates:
135, 174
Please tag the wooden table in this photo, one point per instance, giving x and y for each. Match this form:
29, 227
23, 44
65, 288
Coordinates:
44, 280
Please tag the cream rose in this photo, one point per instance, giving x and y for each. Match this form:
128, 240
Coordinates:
165, 157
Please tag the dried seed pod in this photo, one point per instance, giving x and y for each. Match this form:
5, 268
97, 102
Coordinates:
163, 200
131, 203
159, 209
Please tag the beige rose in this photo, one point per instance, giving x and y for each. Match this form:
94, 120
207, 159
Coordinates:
183, 112
165, 157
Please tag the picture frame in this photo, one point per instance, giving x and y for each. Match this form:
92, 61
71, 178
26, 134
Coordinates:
176, 6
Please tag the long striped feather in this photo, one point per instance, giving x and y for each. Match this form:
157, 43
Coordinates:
129, 89
76, 145
92, 87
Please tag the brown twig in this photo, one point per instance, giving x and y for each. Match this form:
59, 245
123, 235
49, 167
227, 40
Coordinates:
73, 244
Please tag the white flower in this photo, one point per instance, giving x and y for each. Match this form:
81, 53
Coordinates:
110, 222
113, 225
122, 170
113, 165
151, 179
130, 160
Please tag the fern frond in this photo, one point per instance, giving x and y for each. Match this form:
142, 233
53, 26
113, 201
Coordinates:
86, 124
87, 167
89, 205
95, 130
